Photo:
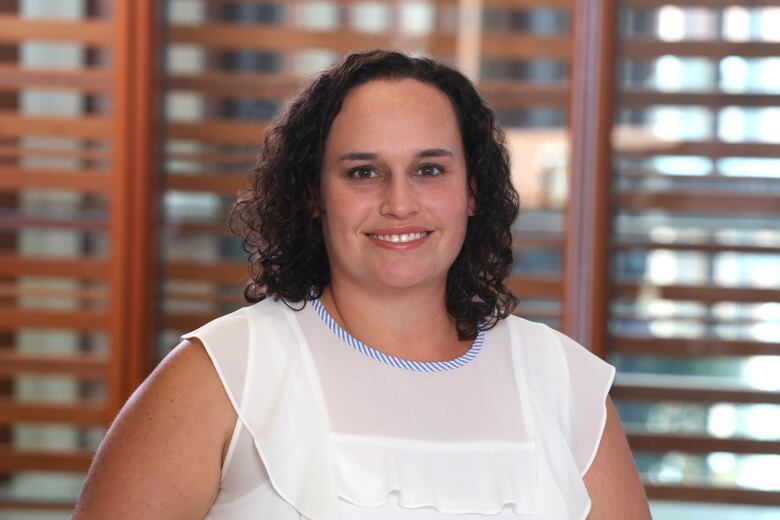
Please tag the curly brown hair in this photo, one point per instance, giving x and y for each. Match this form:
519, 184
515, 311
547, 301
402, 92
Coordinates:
287, 257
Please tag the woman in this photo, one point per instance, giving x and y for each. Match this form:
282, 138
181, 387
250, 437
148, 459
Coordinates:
379, 373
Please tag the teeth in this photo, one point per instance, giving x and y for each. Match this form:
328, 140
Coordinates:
400, 239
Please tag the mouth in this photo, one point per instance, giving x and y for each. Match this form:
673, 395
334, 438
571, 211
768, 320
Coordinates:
401, 238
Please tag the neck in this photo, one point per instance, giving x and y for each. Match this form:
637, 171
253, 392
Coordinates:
410, 324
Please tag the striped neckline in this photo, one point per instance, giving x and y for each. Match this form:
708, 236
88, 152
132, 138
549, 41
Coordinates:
417, 366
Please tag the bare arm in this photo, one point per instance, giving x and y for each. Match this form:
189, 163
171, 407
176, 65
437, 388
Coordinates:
162, 457
612, 480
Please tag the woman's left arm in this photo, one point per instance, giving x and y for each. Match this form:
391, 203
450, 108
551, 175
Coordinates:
612, 479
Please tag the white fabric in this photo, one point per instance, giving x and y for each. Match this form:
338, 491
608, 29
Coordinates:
325, 432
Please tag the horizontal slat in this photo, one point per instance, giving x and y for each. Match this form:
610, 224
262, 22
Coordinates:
221, 272
286, 39
256, 86
713, 149
517, 4
13, 318
14, 460
223, 184
713, 202
713, 178
210, 297
85, 80
234, 159
523, 94
524, 46
81, 366
693, 347
543, 287
520, 4
15, 29
647, 97
699, 444
86, 414
198, 228
94, 296
14, 151
219, 132
85, 127
714, 4
12, 178
499, 94
701, 293
17, 222
30, 505
648, 48
720, 494
82, 268
707, 248
687, 392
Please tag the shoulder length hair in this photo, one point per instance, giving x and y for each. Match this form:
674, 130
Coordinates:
274, 215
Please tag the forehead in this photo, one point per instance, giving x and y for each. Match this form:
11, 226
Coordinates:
384, 112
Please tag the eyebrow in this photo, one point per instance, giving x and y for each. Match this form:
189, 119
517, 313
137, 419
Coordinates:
370, 156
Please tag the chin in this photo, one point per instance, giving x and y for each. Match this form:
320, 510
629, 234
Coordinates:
407, 278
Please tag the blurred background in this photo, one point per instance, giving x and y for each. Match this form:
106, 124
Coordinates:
645, 138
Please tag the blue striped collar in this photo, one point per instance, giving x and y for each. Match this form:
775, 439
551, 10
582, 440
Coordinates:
418, 366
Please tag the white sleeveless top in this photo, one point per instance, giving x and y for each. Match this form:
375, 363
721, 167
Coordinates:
330, 429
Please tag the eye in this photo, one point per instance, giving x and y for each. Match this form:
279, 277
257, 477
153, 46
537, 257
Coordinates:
362, 172
430, 170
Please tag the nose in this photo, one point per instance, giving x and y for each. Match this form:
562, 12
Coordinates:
400, 199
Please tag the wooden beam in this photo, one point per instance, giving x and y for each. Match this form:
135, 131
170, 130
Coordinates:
15, 29
83, 80
658, 442
700, 347
221, 131
228, 272
83, 268
700, 201
705, 248
586, 261
14, 317
639, 98
651, 48
82, 414
657, 392
542, 287
219, 183
84, 366
85, 127
711, 149
725, 495
14, 178
699, 293
711, 4
13, 460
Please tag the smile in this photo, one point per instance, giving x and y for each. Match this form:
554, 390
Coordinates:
400, 239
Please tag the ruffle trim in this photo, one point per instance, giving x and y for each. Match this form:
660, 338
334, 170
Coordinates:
452, 478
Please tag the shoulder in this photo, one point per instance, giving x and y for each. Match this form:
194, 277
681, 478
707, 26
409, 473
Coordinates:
163, 453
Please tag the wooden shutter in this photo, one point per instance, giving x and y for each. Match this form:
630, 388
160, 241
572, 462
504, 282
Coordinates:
694, 317
73, 174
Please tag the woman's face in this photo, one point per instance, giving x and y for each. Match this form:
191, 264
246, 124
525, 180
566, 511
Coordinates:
394, 196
